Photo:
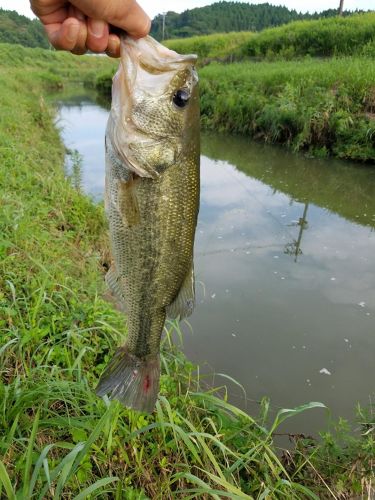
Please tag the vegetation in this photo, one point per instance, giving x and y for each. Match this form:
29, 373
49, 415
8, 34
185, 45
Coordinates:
15, 28
319, 38
339, 36
223, 17
216, 46
322, 106
57, 332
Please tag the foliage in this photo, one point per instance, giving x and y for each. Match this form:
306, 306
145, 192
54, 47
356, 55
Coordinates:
57, 331
323, 106
218, 45
18, 29
322, 38
354, 35
224, 17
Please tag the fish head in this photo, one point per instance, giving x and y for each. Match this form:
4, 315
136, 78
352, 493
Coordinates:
155, 106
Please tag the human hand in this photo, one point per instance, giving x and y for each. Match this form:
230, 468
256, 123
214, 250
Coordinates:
81, 25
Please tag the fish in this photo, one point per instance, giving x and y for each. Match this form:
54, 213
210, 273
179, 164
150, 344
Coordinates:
152, 190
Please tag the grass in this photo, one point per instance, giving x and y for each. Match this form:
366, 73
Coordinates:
57, 439
337, 36
324, 107
218, 45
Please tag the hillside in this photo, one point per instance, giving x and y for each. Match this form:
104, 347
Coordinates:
15, 28
336, 36
224, 17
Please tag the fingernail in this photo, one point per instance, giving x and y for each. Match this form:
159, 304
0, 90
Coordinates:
72, 32
97, 27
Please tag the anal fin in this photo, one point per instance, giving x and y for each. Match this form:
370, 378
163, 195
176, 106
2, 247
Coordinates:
183, 304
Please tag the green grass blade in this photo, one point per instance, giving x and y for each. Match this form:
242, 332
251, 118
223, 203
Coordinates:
95, 487
38, 466
6, 482
195, 480
92, 438
284, 414
57, 470
26, 476
306, 491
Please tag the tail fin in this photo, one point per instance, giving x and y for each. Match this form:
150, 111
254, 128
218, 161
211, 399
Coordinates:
133, 381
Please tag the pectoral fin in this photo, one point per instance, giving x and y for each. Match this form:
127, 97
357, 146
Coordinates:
184, 303
127, 203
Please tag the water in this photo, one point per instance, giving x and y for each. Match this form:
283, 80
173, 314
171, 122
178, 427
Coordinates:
284, 265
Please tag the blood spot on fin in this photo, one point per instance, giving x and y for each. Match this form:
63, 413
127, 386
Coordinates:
147, 383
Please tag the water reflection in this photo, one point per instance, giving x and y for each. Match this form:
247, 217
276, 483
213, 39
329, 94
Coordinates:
284, 263
345, 188
294, 247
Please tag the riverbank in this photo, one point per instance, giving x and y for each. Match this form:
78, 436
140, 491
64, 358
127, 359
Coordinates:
352, 35
320, 107
58, 439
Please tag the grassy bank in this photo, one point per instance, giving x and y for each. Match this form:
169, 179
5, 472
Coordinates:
337, 36
216, 46
325, 107
57, 440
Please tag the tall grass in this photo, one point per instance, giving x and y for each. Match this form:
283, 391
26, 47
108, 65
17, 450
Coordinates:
218, 45
335, 36
57, 440
323, 106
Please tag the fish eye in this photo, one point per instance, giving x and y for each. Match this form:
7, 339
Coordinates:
181, 98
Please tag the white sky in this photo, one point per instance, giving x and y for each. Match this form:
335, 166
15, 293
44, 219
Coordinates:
153, 8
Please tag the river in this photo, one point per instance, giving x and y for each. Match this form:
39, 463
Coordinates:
284, 264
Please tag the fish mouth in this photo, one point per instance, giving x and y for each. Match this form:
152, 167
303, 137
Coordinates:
153, 54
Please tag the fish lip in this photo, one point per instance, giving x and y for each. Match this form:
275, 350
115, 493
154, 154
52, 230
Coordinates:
164, 57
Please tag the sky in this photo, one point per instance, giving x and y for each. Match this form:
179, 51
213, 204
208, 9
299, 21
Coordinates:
152, 8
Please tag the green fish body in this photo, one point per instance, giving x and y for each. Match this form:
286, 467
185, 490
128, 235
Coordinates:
152, 203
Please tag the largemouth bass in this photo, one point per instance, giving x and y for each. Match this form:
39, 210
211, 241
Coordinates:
152, 202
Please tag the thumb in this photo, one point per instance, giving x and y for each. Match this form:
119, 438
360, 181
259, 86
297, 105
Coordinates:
124, 14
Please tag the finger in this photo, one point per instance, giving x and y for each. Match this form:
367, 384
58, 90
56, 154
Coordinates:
47, 7
81, 45
57, 15
97, 35
113, 48
64, 36
125, 14
77, 13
